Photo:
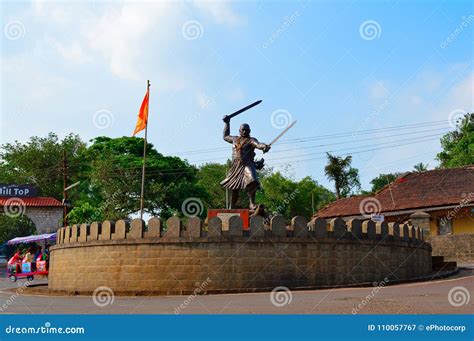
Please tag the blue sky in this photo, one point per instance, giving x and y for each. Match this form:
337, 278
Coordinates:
334, 66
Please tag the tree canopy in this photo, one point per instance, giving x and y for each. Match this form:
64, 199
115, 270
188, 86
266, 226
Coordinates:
458, 145
345, 178
382, 180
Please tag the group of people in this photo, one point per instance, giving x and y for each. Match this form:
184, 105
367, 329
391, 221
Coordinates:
35, 256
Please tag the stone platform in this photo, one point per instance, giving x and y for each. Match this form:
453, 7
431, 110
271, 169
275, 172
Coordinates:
134, 258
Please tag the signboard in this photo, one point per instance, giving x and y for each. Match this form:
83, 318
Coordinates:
12, 190
378, 218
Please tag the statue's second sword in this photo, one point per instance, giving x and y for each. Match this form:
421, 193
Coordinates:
282, 133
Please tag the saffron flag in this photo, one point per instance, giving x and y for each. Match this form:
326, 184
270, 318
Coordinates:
142, 115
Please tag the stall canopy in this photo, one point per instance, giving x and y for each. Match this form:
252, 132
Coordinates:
34, 238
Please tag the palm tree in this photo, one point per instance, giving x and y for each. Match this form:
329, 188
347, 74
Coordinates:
421, 167
344, 176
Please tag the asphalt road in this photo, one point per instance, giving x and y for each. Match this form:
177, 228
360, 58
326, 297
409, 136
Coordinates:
415, 298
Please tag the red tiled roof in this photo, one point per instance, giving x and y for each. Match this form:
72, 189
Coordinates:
433, 188
30, 201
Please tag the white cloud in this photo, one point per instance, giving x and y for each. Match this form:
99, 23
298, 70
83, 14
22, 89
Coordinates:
220, 11
127, 34
74, 52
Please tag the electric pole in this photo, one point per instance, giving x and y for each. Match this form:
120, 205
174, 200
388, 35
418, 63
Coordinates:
64, 188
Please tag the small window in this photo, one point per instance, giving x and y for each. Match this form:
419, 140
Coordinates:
445, 226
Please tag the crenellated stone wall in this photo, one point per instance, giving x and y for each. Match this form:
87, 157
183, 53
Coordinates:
134, 258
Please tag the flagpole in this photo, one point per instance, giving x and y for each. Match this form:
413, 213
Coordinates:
144, 154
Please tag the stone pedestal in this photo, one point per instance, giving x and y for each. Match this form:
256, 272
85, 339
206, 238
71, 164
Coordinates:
225, 214
422, 220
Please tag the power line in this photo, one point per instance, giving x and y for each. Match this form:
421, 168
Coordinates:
305, 147
317, 137
184, 171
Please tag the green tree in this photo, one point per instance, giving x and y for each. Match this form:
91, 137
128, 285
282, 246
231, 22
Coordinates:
421, 167
345, 178
288, 197
458, 145
85, 213
40, 162
382, 180
12, 227
209, 177
115, 179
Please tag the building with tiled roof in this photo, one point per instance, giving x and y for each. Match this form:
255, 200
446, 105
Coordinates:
446, 195
45, 212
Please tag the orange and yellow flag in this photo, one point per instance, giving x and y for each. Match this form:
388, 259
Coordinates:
142, 115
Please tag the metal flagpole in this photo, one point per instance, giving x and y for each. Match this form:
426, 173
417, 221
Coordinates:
144, 154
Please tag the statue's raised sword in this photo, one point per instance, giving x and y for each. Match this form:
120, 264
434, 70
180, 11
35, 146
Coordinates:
238, 112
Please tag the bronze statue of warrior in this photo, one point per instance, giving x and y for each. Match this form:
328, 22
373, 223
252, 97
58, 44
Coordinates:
242, 175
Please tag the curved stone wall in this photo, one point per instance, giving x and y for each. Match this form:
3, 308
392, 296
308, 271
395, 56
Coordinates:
138, 259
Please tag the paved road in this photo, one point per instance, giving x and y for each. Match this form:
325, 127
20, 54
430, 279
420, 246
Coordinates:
415, 298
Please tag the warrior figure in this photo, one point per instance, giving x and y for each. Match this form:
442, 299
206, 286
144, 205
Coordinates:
243, 173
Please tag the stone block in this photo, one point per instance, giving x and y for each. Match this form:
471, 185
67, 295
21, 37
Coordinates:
107, 228
154, 228
137, 227
338, 225
278, 226
256, 226
74, 232
355, 227
214, 227
396, 231
413, 232
83, 231
406, 235
384, 230
235, 226
368, 226
194, 228
173, 227
300, 226
59, 236
94, 231
321, 228
120, 230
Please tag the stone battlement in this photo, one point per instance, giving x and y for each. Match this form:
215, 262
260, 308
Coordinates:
195, 228
132, 258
